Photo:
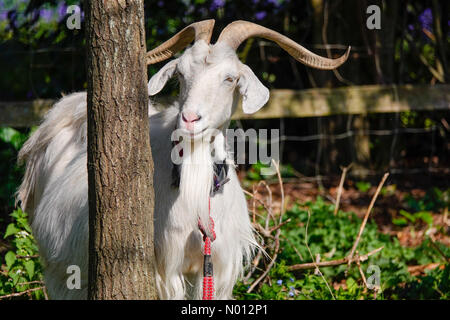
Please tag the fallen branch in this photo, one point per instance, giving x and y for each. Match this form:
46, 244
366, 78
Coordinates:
333, 263
18, 294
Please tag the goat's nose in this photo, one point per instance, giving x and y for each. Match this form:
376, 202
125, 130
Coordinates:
189, 116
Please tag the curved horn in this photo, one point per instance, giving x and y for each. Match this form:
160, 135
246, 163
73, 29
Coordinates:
201, 30
238, 31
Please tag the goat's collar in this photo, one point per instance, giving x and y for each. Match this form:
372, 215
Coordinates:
220, 177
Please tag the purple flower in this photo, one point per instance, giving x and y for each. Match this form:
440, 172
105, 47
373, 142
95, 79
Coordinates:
410, 27
217, 4
3, 15
260, 15
279, 282
291, 293
160, 3
46, 14
426, 19
62, 10
291, 279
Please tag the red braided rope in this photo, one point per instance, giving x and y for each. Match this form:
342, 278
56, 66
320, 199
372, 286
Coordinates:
208, 278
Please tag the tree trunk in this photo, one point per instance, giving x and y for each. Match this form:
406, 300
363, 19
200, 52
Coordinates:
120, 166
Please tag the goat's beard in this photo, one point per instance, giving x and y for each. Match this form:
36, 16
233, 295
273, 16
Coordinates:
196, 178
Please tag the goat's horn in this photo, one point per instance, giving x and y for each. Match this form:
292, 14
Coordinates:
238, 31
201, 30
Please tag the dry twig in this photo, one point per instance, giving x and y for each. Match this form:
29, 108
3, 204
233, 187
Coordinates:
341, 187
366, 217
277, 234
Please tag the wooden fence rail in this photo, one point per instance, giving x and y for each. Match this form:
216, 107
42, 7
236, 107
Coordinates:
291, 103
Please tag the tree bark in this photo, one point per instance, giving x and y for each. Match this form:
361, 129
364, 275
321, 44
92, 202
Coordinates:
120, 166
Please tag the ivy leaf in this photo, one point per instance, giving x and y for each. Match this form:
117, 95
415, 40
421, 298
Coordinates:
10, 258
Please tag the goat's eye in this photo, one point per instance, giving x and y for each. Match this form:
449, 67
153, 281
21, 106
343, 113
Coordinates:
229, 79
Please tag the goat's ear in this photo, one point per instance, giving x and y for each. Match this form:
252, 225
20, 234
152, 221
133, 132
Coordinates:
254, 93
159, 79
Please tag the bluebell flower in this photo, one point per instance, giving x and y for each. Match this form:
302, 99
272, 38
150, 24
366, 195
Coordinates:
292, 279
46, 14
426, 19
62, 10
260, 15
291, 293
217, 4
279, 282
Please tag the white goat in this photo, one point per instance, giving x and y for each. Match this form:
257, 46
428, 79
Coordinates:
55, 188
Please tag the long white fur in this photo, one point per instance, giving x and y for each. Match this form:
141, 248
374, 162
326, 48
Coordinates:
54, 191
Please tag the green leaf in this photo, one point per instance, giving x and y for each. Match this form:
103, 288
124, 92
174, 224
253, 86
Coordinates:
10, 230
29, 267
6, 134
351, 284
408, 215
363, 186
12, 136
15, 277
425, 216
10, 258
400, 222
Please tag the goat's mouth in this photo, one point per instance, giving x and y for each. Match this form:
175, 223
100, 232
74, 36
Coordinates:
196, 135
